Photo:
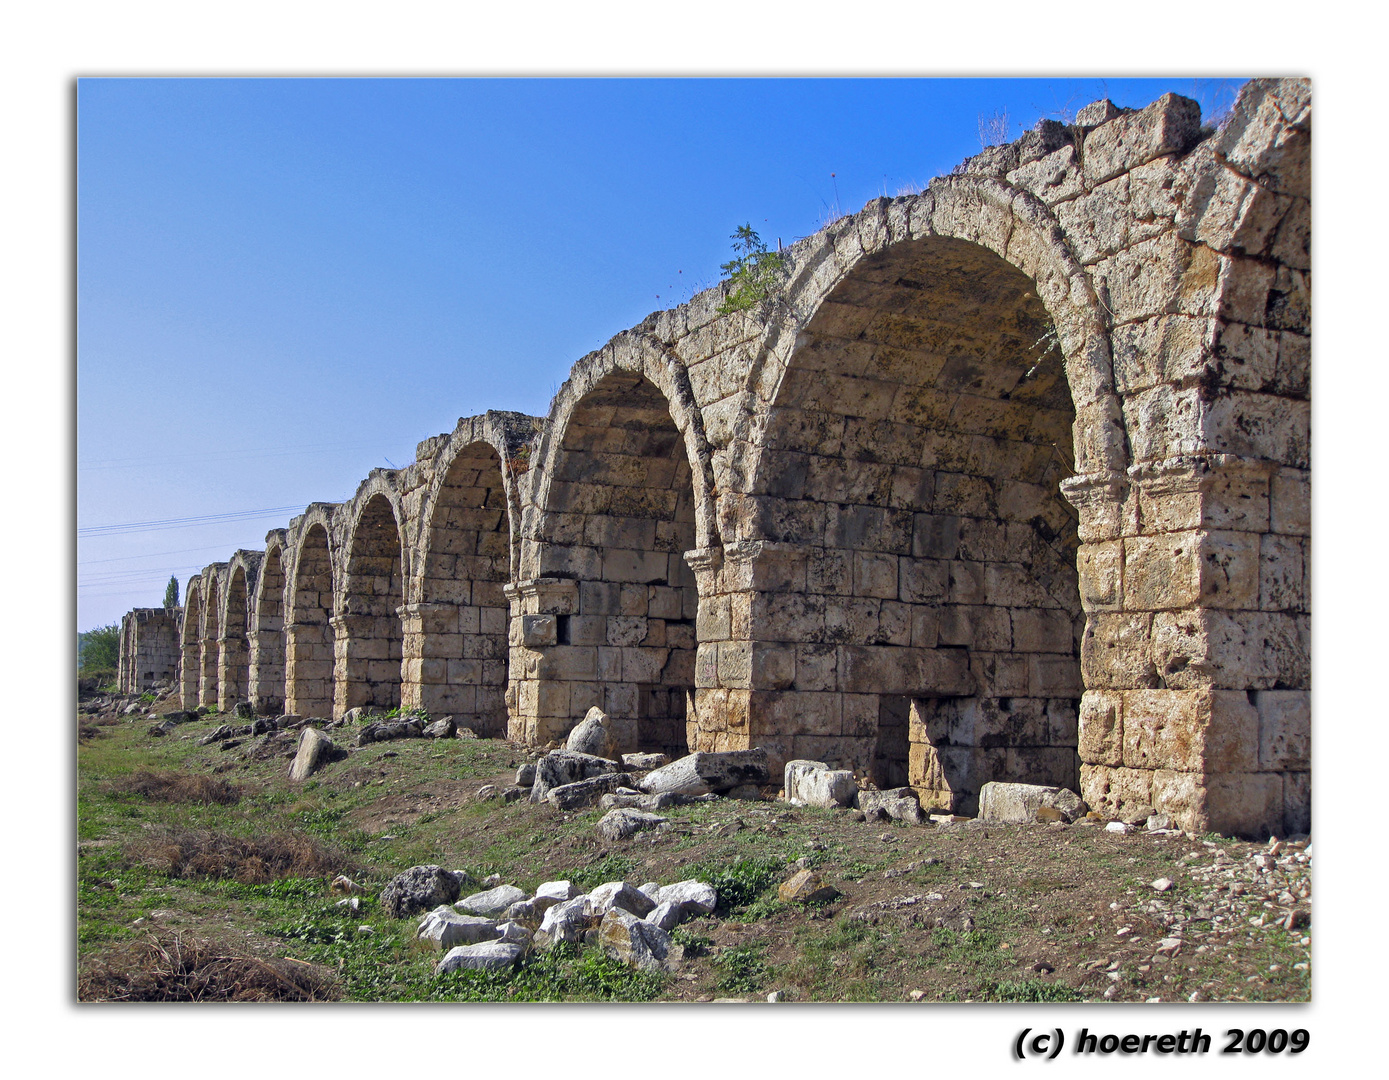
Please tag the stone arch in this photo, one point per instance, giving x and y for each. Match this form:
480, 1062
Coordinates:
455, 631
190, 644
267, 630
950, 369
233, 648
308, 634
621, 493
367, 627
212, 631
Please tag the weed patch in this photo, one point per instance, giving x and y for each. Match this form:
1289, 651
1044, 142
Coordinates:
176, 787
173, 967
250, 860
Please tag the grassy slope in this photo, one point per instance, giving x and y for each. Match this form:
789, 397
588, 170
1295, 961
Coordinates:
1025, 911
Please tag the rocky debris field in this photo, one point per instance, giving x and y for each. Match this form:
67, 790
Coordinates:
552, 871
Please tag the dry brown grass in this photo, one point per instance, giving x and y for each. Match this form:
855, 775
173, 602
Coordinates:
251, 860
177, 787
171, 967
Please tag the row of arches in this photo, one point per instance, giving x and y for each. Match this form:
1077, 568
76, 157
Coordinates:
870, 562
898, 518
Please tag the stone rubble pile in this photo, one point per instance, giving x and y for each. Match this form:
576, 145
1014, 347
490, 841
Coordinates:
496, 928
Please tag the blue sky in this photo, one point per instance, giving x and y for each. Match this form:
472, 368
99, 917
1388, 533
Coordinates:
284, 283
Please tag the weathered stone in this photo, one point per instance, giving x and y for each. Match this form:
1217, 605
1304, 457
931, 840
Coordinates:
694, 897
443, 728
627, 938
444, 928
666, 915
813, 783
525, 775
620, 824
805, 886
585, 792
565, 921
1019, 803
649, 803
493, 901
618, 894
315, 751
601, 735
421, 888
700, 773
899, 804
560, 767
639, 762
485, 956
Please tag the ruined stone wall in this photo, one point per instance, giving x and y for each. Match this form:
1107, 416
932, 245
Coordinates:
149, 652
1009, 481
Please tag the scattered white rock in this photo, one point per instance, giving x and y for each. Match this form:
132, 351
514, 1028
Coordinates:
1162, 884
694, 897
620, 824
484, 956
1116, 826
492, 902
618, 894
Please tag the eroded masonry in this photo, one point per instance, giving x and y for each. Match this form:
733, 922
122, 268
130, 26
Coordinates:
1010, 481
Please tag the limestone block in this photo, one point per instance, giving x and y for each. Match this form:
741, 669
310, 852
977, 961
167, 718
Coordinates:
1160, 349
772, 667
1268, 136
1234, 804
1297, 803
1000, 674
813, 783
1282, 573
1116, 791
816, 667
1232, 650
1041, 630
1170, 125
1018, 803
700, 773
1051, 178
1259, 425
1291, 502
1101, 575
1101, 728
1285, 729
875, 575
1190, 731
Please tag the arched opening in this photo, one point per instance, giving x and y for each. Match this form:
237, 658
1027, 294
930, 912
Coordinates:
619, 518
212, 630
234, 661
455, 643
914, 452
267, 668
308, 637
190, 646
369, 632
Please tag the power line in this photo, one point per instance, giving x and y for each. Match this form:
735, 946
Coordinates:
186, 522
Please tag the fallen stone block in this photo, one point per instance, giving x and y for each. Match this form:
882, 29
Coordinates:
601, 735
444, 928
667, 916
385, 732
560, 767
620, 824
485, 956
421, 888
898, 804
525, 775
644, 762
443, 728
639, 944
585, 792
805, 886
315, 751
694, 897
492, 902
565, 921
813, 783
701, 773
618, 894
1017, 804
649, 803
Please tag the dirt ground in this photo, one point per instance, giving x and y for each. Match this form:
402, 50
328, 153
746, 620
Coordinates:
955, 912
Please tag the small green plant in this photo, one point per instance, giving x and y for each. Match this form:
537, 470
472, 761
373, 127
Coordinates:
1036, 990
693, 944
744, 969
740, 883
754, 272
